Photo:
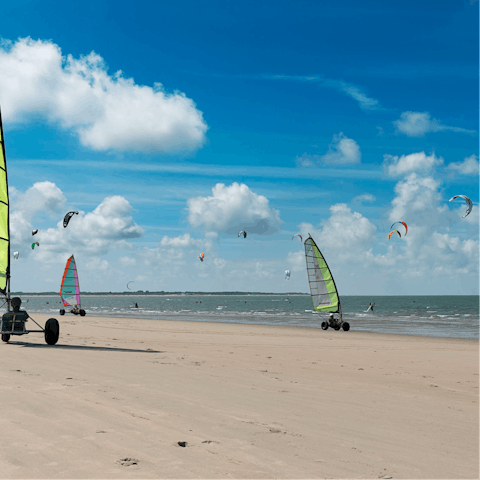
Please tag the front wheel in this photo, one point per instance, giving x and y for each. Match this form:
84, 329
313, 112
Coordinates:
82, 313
5, 337
336, 327
52, 331
346, 326
324, 325
62, 312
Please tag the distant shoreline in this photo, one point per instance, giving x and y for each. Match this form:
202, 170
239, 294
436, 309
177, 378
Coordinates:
213, 294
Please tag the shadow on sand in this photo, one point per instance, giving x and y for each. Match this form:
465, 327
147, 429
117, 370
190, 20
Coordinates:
82, 347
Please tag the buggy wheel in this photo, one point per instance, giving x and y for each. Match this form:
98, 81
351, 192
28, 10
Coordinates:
5, 337
346, 326
324, 325
62, 311
52, 331
336, 327
82, 313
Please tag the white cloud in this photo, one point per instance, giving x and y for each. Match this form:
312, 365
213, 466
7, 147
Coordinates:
417, 124
177, 251
469, 166
346, 235
128, 261
417, 200
296, 260
426, 250
415, 162
342, 151
107, 112
234, 208
183, 241
306, 160
29, 207
366, 197
364, 101
95, 233
41, 197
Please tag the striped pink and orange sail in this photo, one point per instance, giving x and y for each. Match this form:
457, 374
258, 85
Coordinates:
70, 288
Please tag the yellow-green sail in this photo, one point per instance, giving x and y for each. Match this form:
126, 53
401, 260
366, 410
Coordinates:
4, 217
322, 286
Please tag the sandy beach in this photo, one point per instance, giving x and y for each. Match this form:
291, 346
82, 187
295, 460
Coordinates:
114, 398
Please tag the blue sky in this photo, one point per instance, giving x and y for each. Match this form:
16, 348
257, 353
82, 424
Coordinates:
170, 127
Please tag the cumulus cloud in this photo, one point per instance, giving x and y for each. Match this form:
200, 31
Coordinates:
42, 198
107, 112
128, 261
417, 124
342, 151
469, 166
106, 228
345, 235
182, 241
415, 162
417, 198
430, 248
233, 208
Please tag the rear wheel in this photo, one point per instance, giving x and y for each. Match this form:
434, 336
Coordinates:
346, 326
52, 331
336, 327
5, 337
324, 325
62, 312
82, 313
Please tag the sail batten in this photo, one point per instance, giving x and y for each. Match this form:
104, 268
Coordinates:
4, 218
70, 287
322, 286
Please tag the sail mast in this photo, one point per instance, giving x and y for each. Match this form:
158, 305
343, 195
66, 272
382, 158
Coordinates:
4, 221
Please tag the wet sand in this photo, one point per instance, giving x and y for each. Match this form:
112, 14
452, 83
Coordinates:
114, 398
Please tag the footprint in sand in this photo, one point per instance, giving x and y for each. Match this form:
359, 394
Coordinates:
127, 462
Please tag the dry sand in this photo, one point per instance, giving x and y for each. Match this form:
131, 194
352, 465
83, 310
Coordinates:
115, 396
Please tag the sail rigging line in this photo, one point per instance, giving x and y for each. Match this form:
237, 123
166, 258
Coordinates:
323, 289
5, 221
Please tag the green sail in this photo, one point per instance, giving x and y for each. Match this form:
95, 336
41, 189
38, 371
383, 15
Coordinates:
322, 286
4, 218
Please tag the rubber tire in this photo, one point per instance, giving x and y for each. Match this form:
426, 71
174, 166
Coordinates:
62, 312
52, 331
5, 337
324, 325
346, 326
82, 313
337, 327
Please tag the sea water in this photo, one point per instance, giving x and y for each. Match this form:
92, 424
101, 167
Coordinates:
435, 316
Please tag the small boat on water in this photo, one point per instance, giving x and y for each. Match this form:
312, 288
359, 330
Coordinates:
70, 289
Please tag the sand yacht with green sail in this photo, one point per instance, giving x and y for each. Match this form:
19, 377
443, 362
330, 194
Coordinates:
14, 320
323, 290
